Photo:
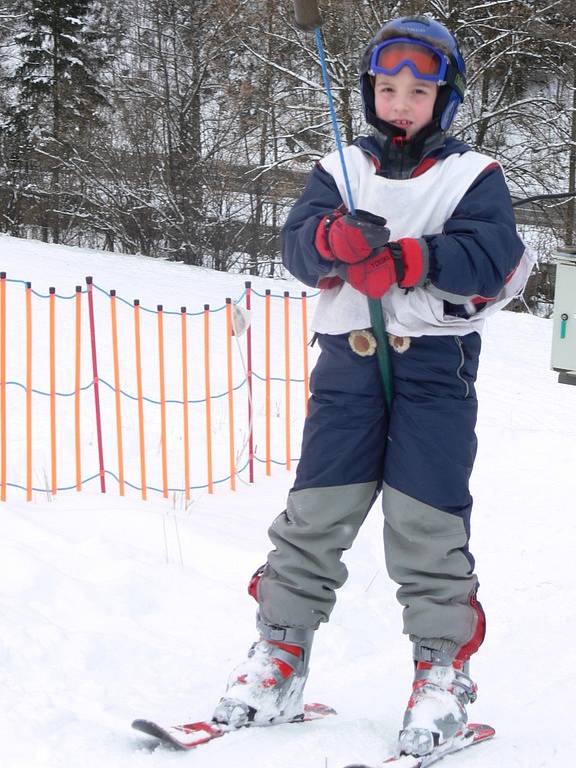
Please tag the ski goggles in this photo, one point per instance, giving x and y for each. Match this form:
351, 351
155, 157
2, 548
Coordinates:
424, 61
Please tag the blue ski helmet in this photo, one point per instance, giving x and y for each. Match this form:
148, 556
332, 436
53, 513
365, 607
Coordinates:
436, 35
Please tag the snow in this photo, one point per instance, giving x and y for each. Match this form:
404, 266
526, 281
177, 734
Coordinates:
114, 608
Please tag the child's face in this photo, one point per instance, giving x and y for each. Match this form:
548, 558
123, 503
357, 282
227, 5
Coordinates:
404, 100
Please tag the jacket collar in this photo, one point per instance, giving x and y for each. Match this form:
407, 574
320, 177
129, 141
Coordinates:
396, 158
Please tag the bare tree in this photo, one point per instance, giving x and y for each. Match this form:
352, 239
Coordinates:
219, 110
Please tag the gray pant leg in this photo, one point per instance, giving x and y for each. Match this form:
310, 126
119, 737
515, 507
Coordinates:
424, 554
297, 587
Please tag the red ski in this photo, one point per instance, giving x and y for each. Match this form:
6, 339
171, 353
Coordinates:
474, 734
193, 735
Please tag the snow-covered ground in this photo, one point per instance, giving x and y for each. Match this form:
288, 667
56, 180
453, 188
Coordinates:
114, 608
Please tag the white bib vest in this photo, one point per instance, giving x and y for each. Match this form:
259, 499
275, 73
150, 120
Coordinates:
412, 208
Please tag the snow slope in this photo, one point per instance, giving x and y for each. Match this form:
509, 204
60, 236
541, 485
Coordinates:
112, 608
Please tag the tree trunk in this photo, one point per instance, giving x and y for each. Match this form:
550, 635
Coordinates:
570, 208
56, 125
483, 124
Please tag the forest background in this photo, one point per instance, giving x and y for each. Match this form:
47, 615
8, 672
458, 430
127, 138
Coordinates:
185, 129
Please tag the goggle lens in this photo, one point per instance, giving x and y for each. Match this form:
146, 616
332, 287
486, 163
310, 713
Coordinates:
424, 61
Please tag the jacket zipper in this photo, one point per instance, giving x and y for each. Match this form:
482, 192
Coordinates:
462, 361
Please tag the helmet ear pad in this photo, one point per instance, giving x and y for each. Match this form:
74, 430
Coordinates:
446, 98
449, 112
367, 93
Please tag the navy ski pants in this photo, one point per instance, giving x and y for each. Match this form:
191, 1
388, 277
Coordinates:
420, 459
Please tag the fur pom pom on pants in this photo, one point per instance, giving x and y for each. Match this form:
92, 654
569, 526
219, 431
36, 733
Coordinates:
420, 459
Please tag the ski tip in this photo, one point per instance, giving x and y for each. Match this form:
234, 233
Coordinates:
315, 708
481, 731
357, 765
139, 724
149, 728
175, 737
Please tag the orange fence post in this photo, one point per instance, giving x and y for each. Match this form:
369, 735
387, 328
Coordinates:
52, 301
119, 448
140, 397
3, 479
267, 377
305, 351
230, 394
207, 394
185, 404
28, 391
248, 286
77, 387
160, 316
96, 384
287, 370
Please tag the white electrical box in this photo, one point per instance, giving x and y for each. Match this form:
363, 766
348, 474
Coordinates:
564, 339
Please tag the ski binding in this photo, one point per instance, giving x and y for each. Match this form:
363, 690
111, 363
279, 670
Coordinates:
474, 734
192, 735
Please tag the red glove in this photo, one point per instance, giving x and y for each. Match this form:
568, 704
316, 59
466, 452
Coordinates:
350, 239
404, 262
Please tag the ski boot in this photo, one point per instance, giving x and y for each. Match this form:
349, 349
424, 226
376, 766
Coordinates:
267, 688
436, 713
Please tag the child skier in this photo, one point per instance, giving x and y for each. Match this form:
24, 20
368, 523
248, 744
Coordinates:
434, 239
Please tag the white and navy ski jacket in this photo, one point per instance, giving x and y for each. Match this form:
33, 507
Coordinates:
456, 204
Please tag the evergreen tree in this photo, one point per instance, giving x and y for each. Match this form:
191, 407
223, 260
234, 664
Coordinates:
58, 90
61, 56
